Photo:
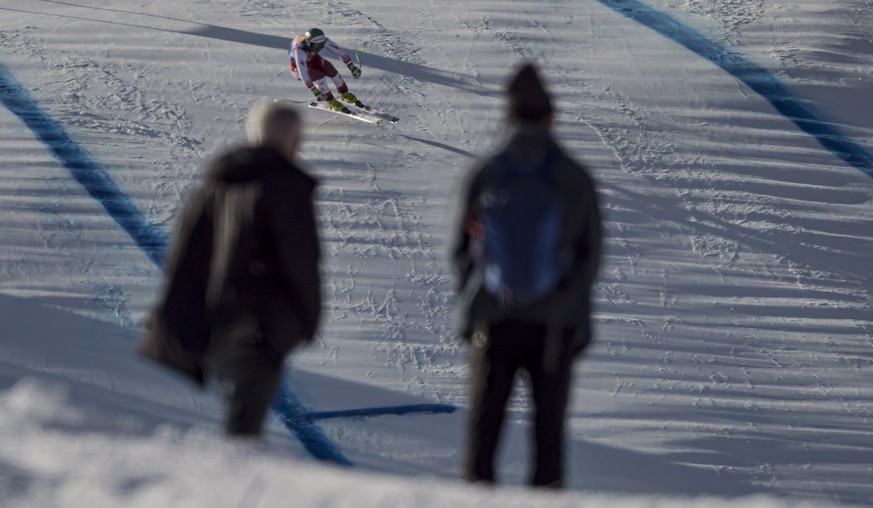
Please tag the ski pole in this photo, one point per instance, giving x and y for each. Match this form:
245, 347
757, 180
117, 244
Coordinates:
358, 58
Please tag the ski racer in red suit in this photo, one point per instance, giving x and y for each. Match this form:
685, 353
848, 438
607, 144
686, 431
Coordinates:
312, 69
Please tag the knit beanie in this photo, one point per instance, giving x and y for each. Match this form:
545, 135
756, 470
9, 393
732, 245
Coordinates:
528, 100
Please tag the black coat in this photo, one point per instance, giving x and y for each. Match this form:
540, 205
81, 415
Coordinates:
243, 265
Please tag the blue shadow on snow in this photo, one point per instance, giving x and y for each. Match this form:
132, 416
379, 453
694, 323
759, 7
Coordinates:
152, 240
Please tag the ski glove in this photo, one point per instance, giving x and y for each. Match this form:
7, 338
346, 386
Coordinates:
356, 71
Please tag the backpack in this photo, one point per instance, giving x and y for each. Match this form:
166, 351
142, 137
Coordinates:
518, 249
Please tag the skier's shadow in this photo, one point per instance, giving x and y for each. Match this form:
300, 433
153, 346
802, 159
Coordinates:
416, 71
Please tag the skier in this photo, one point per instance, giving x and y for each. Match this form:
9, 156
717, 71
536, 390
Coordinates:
308, 66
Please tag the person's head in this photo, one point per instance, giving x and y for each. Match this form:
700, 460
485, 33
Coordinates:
276, 125
527, 98
316, 39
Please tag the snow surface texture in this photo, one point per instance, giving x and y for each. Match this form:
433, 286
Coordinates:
734, 320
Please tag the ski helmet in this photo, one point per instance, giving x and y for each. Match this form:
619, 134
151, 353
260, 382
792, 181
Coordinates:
316, 37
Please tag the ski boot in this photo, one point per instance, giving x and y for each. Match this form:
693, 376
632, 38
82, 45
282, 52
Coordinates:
337, 105
350, 98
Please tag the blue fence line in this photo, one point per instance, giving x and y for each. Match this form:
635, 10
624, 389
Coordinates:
759, 79
293, 416
151, 239
368, 412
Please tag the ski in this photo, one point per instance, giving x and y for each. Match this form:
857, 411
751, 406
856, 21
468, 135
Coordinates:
373, 111
362, 115
357, 115
360, 112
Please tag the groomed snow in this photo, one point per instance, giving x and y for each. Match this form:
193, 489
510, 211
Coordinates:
733, 313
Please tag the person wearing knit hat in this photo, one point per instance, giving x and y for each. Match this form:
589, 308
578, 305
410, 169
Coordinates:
540, 331
527, 99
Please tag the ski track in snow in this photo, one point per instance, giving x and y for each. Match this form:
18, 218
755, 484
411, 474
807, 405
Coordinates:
734, 291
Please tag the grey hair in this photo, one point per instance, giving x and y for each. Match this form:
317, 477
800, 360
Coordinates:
273, 124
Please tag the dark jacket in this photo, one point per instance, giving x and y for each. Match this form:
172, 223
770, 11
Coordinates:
243, 265
570, 307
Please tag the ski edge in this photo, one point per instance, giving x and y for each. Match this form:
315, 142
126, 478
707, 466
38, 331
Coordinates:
374, 111
360, 112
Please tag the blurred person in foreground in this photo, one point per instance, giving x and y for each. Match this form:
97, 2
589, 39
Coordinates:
242, 281
525, 254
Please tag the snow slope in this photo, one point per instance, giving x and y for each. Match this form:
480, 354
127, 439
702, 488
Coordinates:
734, 316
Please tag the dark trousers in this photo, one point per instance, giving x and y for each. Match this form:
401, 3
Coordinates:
495, 360
248, 378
